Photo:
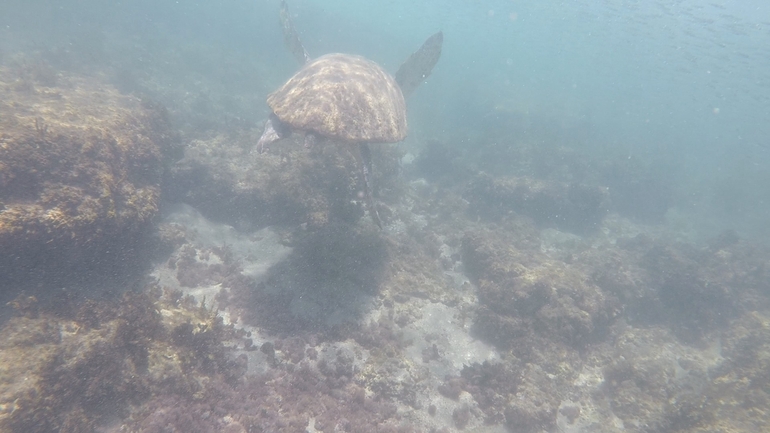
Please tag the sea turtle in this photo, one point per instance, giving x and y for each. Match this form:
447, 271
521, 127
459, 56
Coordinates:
346, 98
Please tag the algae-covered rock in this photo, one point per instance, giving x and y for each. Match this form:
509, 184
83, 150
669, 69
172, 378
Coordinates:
158, 361
694, 290
80, 172
654, 384
78, 367
739, 394
524, 294
57, 374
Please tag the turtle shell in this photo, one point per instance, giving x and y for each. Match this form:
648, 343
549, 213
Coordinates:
343, 97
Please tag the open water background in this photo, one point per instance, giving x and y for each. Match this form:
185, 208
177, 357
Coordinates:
681, 85
666, 104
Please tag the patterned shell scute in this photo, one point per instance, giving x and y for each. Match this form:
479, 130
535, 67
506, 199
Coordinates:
343, 97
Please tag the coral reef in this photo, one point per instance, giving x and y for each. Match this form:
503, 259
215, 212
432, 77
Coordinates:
524, 295
323, 292
697, 294
535, 403
738, 394
521, 396
572, 207
542, 312
644, 377
695, 290
162, 362
586, 335
63, 375
80, 174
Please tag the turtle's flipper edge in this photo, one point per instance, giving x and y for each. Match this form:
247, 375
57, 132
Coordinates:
291, 37
420, 64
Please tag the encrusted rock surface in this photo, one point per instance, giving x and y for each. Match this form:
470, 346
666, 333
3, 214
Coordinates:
696, 290
80, 174
411, 352
524, 294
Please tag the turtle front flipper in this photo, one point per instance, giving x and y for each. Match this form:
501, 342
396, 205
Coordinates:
364, 159
274, 131
291, 37
420, 64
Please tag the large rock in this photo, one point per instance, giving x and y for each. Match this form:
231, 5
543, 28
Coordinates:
80, 172
693, 290
525, 295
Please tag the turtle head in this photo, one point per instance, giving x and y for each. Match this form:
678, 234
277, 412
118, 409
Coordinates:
274, 131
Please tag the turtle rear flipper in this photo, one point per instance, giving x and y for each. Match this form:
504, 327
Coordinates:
291, 37
420, 64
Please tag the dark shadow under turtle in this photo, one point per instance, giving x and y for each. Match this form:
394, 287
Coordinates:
346, 98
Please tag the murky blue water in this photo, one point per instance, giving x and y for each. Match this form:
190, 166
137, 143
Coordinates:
630, 125
682, 85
